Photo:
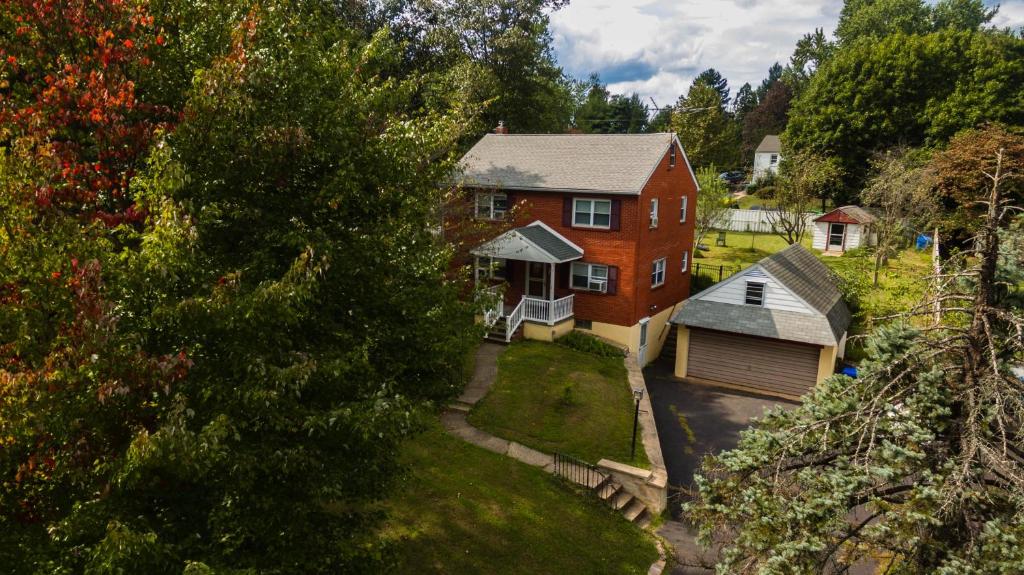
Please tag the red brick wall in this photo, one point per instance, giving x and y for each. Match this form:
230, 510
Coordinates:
669, 240
632, 248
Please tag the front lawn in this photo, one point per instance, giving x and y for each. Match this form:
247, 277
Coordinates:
557, 399
463, 509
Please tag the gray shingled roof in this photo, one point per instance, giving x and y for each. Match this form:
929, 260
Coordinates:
757, 321
608, 163
769, 144
808, 278
803, 274
550, 242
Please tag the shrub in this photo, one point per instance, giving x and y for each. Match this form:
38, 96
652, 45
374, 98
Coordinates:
589, 344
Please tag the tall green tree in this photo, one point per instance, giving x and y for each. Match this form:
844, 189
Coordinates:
915, 90
917, 463
775, 73
604, 113
221, 383
706, 132
495, 55
745, 101
714, 78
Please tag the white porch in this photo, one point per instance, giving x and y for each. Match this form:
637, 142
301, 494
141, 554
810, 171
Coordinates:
541, 250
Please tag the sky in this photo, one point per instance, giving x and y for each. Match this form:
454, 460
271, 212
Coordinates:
656, 47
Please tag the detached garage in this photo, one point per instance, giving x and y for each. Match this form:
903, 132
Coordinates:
776, 328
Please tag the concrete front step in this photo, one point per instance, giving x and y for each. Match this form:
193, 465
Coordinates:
634, 510
621, 500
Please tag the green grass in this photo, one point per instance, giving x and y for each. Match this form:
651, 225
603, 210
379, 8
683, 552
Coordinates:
557, 399
463, 509
901, 285
742, 248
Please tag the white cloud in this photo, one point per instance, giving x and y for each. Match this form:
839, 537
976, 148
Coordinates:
656, 47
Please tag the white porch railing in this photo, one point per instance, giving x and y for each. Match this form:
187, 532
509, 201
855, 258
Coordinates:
495, 302
514, 320
549, 312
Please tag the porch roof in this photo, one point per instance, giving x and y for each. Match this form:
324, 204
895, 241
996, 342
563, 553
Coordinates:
533, 243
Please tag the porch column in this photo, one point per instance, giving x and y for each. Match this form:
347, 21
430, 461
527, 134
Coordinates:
551, 298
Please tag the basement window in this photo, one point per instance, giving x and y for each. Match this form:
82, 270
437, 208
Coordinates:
755, 293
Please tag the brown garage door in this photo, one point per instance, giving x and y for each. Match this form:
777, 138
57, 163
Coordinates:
764, 365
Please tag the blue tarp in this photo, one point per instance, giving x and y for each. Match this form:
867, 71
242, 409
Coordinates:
849, 371
923, 241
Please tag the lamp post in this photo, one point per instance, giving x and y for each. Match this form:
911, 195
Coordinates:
638, 394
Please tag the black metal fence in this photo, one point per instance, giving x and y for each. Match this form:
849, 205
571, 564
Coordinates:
578, 471
705, 275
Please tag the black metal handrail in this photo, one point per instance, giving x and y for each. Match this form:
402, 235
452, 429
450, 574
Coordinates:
578, 471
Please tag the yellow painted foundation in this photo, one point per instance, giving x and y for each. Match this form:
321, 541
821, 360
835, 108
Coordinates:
682, 351
827, 362
545, 332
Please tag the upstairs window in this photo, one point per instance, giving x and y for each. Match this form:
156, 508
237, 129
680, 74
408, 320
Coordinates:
682, 209
658, 273
591, 277
654, 213
491, 205
686, 261
491, 268
755, 293
592, 213
672, 155
774, 159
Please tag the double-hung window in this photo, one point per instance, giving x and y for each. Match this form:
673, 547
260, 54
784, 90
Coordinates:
773, 159
686, 261
755, 293
682, 209
491, 205
592, 213
592, 277
658, 273
491, 268
672, 155
654, 212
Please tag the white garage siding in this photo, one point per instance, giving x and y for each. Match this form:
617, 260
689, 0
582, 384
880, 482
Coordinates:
734, 289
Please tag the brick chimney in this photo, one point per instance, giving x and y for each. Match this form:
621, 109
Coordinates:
501, 129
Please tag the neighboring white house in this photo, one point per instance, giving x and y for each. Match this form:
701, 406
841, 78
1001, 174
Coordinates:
843, 229
767, 157
776, 328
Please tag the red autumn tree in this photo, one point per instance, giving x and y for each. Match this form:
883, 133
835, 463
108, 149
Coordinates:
69, 72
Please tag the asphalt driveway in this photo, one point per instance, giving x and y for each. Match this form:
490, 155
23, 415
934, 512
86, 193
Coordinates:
714, 418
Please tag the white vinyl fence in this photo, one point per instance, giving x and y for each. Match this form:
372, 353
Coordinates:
752, 221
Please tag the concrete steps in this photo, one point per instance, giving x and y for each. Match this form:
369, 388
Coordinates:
496, 332
624, 502
668, 351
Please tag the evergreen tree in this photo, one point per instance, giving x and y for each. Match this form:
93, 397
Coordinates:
713, 78
706, 132
917, 464
745, 101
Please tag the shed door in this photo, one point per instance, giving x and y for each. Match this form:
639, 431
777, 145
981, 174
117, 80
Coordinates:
768, 366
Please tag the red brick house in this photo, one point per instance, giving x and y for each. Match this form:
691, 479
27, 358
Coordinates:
601, 239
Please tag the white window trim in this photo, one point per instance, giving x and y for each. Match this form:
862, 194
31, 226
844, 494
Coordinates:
490, 205
686, 261
764, 292
655, 265
592, 212
594, 283
683, 209
672, 155
654, 213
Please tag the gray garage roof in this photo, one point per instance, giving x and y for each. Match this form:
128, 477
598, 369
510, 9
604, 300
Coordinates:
596, 163
758, 321
804, 275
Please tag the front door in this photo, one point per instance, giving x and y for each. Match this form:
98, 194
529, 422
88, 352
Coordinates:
537, 279
836, 235
641, 354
